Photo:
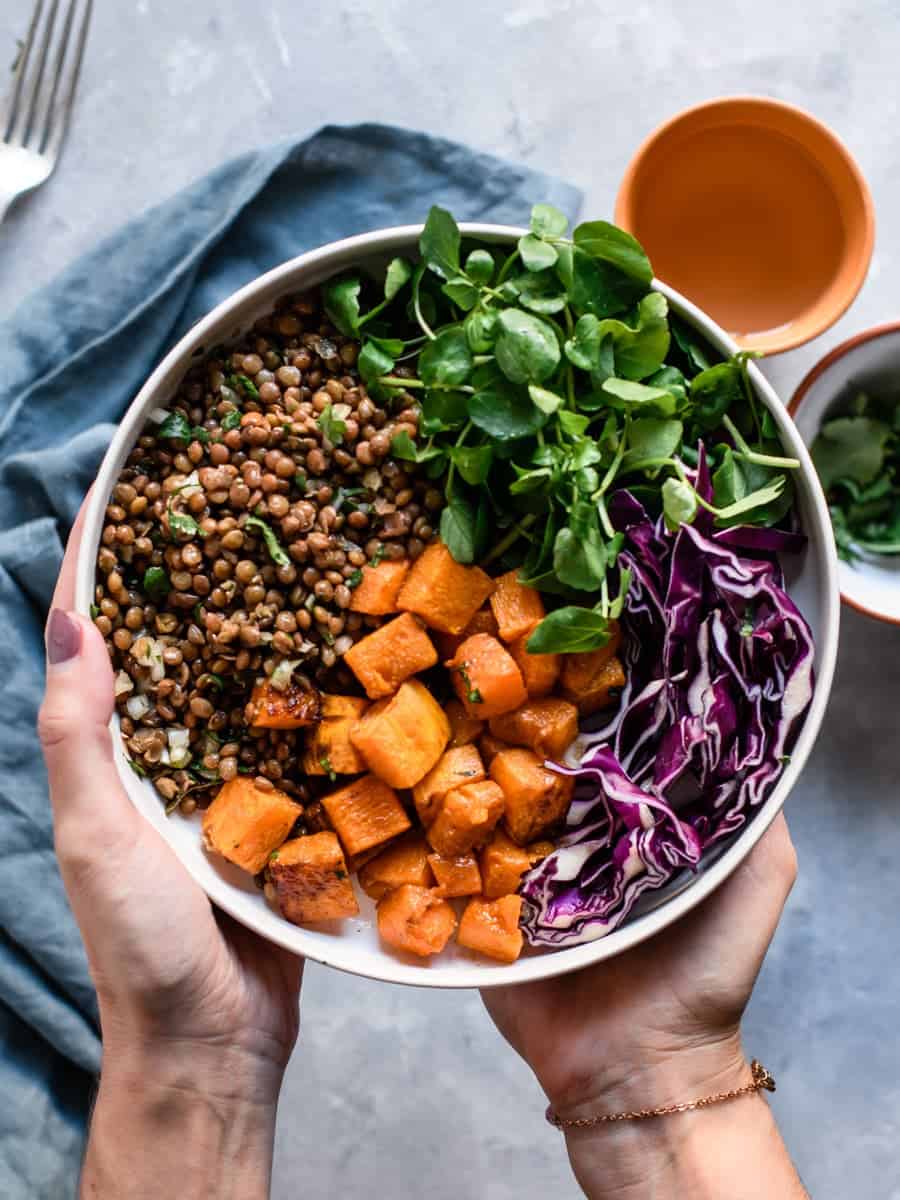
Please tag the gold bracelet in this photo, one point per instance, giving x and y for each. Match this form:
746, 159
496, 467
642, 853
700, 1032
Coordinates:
762, 1081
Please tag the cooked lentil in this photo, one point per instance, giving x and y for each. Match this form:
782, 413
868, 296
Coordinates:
250, 522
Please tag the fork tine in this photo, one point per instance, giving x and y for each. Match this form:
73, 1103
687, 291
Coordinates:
25, 122
12, 108
58, 120
57, 76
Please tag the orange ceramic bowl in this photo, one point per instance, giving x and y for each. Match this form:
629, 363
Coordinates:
757, 212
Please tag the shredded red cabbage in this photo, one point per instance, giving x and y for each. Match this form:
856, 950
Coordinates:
719, 664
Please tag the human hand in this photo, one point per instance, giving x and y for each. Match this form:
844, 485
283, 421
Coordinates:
190, 1002
659, 1024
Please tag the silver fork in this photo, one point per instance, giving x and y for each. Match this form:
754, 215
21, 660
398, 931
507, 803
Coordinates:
35, 115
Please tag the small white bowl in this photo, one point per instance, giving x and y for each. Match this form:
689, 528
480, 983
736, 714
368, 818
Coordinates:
354, 945
869, 361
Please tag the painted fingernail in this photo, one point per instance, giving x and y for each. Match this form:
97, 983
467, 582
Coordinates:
63, 638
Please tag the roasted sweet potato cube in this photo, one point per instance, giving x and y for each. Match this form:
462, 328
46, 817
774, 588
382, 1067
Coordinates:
365, 813
486, 678
457, 766
463, 728
539, 671
518, 608
536, 798
384, 659
503, 864
592, 683
538, 851
288, 708
491, 927
444, 593
456, 876
405, 861
311, 880
376, 593
490, 747
547, 726
402, 738
466, 818
415, 920
245, 823
328, 745
483, 622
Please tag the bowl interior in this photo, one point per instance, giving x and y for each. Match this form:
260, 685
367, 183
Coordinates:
755, 211
354, 945
867, 363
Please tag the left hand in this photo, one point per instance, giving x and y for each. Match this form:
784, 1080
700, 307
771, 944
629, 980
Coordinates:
176, 980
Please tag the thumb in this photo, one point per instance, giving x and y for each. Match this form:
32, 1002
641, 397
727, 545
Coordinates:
89, 801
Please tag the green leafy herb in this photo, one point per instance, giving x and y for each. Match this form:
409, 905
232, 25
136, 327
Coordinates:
527, 347
439, 243
857, 456
95, 612
137, 768
354, 579
201, 435
245, 384
300, 482
398, 274
340, 298
182, 523
276, 552
156, 584
176, 425
232, 419
473, 695
458, 529
570, 630
325, 764
377, 556
333, 428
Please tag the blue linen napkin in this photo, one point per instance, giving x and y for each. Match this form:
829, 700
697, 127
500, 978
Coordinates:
71, 359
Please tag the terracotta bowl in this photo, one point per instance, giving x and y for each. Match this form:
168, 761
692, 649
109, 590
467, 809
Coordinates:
868, 362
757, 212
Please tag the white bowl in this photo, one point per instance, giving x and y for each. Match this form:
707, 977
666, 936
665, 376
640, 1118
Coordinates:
354, 945
870, 361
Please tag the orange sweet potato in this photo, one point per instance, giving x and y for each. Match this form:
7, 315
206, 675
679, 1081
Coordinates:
483, 622
463, 728
536, 798
503, 864
539, 671
456, 876
328, 745
444, 593
311, 880
245, 823
365, 813
415, 920
460, 765
394, 652
518, 608
490, 747
466, 818
376, 593
292, 708
402, 738
405, 861
491, 927
538, 851
591, 681
486, 678
547, 726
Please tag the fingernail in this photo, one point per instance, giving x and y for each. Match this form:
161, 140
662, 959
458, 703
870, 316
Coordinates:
63, 638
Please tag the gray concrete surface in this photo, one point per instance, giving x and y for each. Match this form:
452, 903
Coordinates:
408, 1093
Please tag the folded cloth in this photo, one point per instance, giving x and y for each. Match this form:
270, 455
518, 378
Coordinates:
71, 359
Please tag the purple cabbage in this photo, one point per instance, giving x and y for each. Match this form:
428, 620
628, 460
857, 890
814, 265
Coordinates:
719, 664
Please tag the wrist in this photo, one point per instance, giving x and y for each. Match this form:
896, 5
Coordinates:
197, 1119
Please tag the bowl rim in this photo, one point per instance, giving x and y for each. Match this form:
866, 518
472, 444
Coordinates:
269, 286
624, 205
812, 376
